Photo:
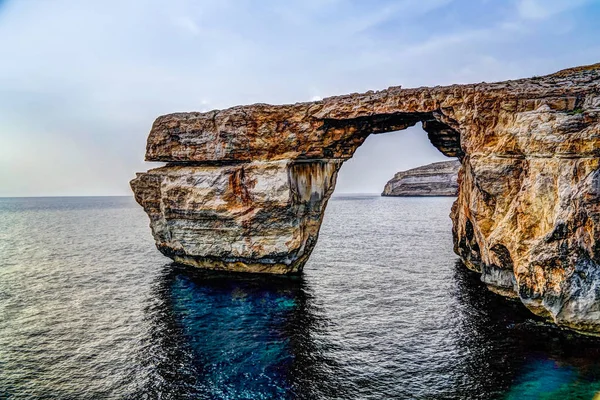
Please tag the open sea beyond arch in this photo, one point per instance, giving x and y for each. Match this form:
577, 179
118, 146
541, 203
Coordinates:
89, 309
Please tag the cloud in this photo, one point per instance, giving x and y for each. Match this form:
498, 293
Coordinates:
187, 24
544, 9
82, 81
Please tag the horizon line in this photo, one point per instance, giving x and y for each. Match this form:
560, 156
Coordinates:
131, 195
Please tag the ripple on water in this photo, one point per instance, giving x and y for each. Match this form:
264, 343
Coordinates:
89, 309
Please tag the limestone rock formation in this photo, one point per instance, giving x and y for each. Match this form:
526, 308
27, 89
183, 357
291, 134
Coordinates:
245, 188
437, 179
252, 217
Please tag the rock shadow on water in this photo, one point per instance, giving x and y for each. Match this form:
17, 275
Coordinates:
243, 336
514, 355
221, 335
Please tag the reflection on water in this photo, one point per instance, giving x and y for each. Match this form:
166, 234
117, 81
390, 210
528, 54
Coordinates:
518, 356
88, 309
230, 336
236, 336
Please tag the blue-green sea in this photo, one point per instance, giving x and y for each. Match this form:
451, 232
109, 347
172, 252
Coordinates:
89, 309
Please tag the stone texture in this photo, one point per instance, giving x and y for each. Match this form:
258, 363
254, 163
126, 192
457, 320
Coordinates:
437, 179
245, 188
262, 216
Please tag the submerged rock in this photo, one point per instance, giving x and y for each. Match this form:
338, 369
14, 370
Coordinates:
437, 179
245, 188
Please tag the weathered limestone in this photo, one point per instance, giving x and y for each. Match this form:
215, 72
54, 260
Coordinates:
437, 179
262, 216
245, 188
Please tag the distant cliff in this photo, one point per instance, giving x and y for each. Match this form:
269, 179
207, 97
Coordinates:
437, 179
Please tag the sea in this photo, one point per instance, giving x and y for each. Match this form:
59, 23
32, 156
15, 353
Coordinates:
89, 309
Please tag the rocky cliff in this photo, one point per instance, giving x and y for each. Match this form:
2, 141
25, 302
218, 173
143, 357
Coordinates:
437, 179
244, 189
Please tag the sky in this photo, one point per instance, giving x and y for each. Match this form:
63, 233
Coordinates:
82, 81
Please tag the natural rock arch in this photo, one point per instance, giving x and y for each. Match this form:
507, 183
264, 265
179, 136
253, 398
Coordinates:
245, 188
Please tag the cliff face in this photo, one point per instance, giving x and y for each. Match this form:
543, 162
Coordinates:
437, 179
245, 188
251, 217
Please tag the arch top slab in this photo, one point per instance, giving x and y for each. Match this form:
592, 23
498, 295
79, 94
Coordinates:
245, 188
334, 127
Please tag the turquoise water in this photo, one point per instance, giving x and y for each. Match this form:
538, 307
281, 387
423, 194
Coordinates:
552, 379
89, 309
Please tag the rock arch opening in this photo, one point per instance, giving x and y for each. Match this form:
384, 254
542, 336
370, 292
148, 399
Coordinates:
381, 157
356, 130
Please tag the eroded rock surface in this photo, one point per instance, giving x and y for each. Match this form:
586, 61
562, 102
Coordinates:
245, 188
262, 216
437, 179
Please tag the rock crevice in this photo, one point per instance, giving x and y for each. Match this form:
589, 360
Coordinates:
245, 188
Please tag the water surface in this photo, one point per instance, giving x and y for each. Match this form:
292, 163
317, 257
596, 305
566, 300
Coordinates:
89, 309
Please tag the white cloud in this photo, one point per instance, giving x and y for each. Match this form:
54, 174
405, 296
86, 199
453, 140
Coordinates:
90, 76
544, 9
187, 24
